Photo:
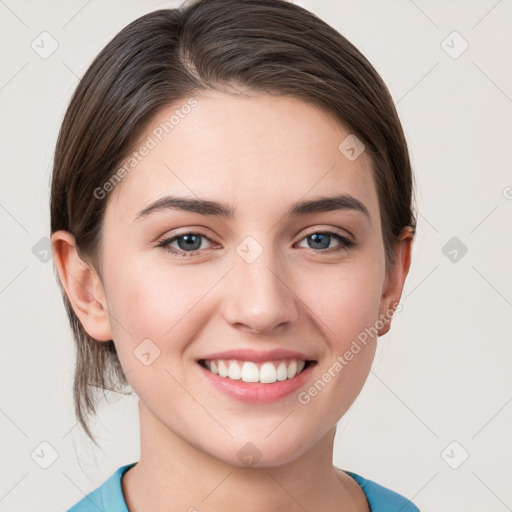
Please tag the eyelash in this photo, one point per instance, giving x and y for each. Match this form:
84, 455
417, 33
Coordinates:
346, 243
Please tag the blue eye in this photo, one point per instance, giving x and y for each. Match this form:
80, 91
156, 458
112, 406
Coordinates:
321, 240
189, 244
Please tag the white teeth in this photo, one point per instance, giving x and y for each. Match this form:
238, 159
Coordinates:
268, 373
282, 372
248, 371
234, 371
223, 369
292, 369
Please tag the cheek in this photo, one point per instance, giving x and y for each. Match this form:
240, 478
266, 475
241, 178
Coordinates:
156, 313
346, 301
152, 302
346, 306
166, 303
346, 314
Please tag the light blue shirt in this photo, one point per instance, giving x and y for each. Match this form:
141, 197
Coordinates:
109, 496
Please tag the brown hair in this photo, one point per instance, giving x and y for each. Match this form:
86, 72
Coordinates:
265, 46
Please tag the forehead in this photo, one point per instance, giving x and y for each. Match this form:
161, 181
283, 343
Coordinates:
259, 153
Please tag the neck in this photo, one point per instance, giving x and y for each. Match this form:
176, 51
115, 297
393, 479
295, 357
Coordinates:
171, 472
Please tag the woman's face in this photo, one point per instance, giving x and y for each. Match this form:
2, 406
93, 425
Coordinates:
258, 280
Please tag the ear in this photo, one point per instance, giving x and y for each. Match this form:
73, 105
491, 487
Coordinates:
395, 277
83, 287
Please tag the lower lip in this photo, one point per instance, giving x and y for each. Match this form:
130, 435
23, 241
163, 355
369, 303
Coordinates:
255, 392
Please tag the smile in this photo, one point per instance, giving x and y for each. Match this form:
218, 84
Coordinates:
265, 372
257, 382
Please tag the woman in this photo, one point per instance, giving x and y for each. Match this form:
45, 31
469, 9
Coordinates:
232, 226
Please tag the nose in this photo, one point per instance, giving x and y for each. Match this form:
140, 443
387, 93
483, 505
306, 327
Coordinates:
259, 295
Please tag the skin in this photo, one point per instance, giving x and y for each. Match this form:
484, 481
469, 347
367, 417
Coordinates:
259, 154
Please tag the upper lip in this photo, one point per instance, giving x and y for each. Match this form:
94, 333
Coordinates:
258, 356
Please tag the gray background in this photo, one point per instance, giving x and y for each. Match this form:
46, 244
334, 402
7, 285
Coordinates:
440, 388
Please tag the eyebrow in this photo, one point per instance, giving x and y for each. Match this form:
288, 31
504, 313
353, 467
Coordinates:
216, 209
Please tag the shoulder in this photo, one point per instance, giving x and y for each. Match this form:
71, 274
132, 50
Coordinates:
108, 497
382, 499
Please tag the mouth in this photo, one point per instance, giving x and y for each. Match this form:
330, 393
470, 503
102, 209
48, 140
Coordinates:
255, 377
265, 372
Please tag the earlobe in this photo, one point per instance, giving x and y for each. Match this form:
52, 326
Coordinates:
395, 278
82, 285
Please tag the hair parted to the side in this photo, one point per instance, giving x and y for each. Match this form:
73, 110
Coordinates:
167, 56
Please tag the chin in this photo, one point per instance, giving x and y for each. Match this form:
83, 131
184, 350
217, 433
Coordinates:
261, 452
